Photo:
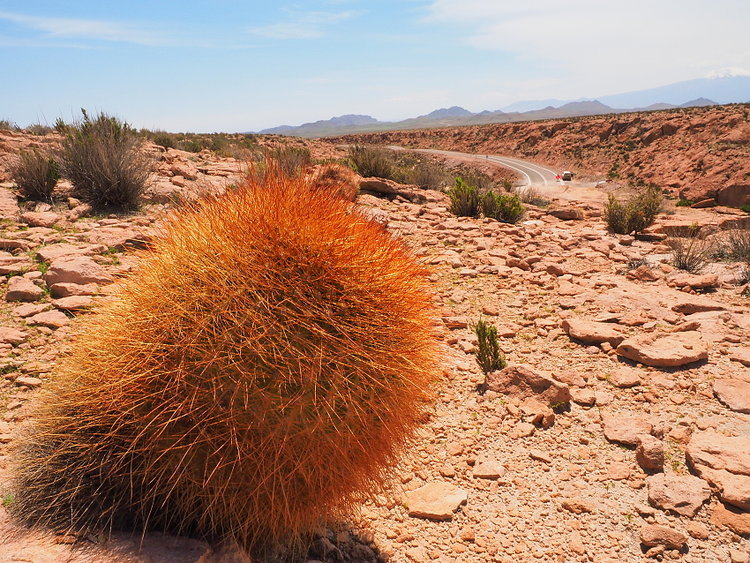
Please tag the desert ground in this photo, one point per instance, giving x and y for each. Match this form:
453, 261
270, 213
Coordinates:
620, 430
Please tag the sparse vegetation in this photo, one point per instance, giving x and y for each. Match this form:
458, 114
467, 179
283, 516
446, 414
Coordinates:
489, 356
530, 195
372, 161
636, 213
292, 160
103, 159
35, 173
503, 207
690, 254
739, 249
684, 202
8, 125
465, 199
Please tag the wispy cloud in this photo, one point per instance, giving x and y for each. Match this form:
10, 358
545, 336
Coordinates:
303, 25
102, 30
591, 40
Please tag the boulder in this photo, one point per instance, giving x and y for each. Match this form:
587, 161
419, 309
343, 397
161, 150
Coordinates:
649, 453
435, 501
59, 290
734, 393
523, 382
693, 281
592, 332
625, 429
75, 269
729, 517
23, 289
42, 219
723, 461
665, 350
566, 213
656, 534
11, 336
50, 319
683, 494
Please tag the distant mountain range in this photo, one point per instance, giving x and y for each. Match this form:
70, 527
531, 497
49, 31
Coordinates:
690, 93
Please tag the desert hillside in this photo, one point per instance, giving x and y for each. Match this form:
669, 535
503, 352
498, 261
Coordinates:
620, 428
695, 153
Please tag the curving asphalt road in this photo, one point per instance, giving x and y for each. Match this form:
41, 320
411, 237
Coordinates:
533, 175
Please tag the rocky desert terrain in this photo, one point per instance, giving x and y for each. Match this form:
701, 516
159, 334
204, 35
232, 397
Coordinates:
696, 153
620, 430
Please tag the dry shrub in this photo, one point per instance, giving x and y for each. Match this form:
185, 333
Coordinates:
103, 159
291, 160
35, 173
691, 254
337, 179
257, 376
372, 161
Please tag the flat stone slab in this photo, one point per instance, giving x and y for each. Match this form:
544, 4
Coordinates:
625, 429
723, 461
683, 494
665, 350
592, 332
435, 501
734, 393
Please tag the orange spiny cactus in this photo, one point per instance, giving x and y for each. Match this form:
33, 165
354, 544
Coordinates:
254, 378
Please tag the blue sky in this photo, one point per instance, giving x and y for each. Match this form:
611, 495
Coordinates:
231, 65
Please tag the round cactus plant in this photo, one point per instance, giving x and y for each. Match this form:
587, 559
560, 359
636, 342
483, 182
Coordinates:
255, 377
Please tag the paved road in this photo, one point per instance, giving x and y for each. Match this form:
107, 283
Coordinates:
531, 174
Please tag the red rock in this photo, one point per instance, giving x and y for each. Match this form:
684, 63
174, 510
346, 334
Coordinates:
50, 319
566, 213
741, 355
59, 290
683, 494
734, 393
75, 269
10, 264
23, 289
723, 461
524, 382
694, 281
74, 303
578, 505
650, 453
28, 381
729, 517
644, 273
655, 534
665, 350
625, 429
592, 332
12, 336
43, 219
435, 501
488, 469
689, 304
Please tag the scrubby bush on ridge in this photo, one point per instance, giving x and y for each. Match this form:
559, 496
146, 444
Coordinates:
35, 173
465, 199
636, 213
103, 159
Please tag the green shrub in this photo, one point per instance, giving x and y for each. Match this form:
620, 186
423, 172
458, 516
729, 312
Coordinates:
464, 199
36, 174
429, 175
489, 356
102, 157
503, 207
372, 161
684, 202
164, 139
636, 213
745, 207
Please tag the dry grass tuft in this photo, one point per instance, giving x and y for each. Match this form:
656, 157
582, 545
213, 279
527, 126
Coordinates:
256, 377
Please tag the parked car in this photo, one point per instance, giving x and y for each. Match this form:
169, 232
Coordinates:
567, 176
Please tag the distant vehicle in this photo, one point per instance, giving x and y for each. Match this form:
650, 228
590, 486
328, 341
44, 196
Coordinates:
567, 176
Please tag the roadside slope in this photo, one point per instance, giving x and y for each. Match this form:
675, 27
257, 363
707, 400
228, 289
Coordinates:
696, 153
